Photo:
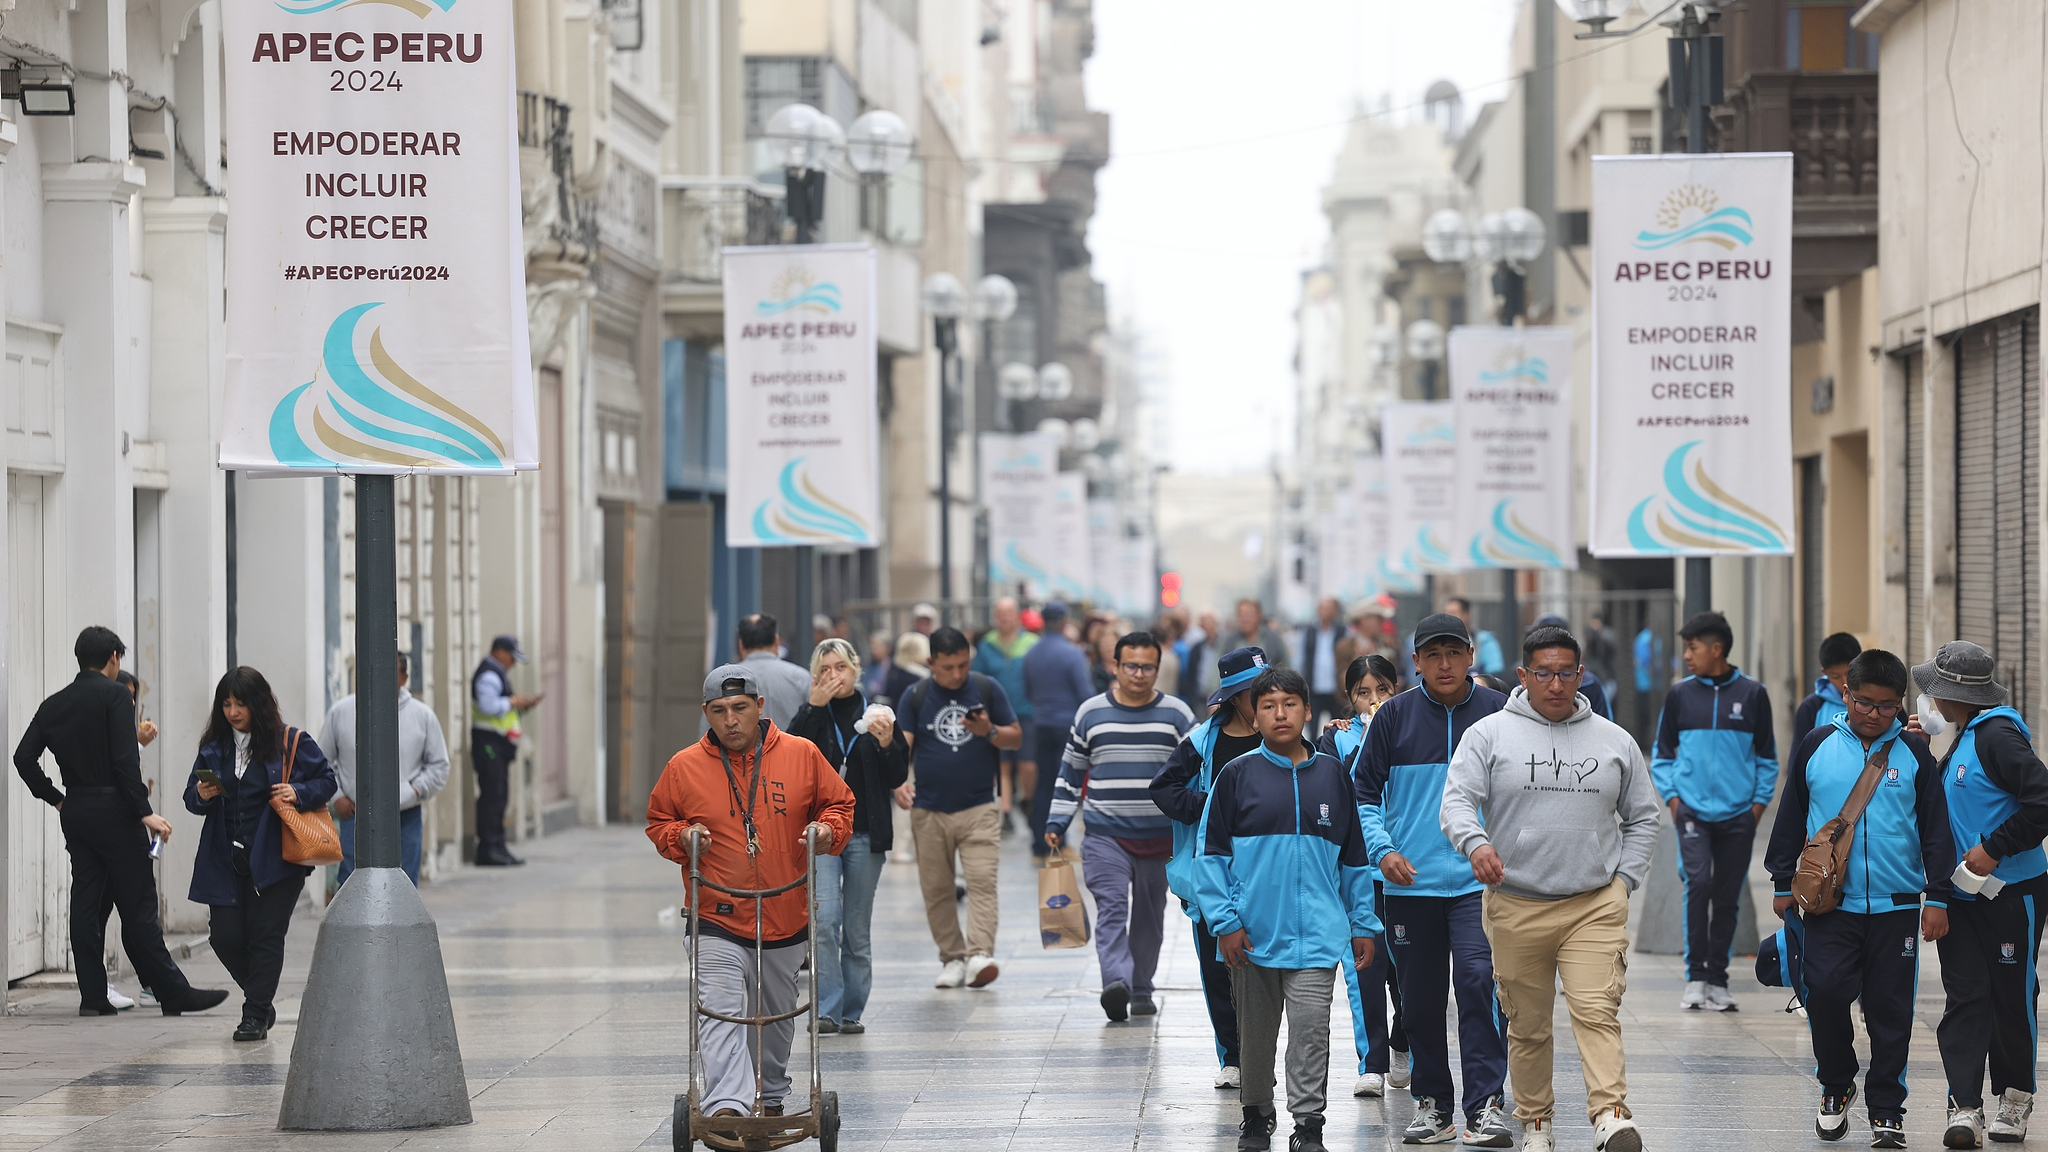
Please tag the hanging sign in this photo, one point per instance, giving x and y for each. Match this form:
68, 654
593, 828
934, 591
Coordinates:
1105, 551
376, 285
1418, 442
1692, 345
1335, 575
1018, 474
801, 464
1067, 545
1378, 567
1511, 389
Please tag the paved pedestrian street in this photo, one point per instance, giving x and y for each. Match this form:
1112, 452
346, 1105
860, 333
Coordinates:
570, 993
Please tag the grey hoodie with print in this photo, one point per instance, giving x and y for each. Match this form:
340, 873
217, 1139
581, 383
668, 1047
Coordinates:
1568, 806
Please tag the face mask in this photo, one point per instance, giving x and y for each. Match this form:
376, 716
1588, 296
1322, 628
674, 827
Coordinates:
1931, 721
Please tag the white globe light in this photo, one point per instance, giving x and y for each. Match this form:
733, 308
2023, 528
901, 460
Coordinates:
1446, 238
1085, 434
805, 138
944, 297
1056, 428
1522, 235
1055, 382
879, 143
995, 298
1426, 341
1016, 381
1486, 239
1597, 13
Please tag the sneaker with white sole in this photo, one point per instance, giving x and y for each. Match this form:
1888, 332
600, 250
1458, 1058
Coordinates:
1832, 1123
1965, 1127
1695, 995
1718, 999
1889, 1132
981, 971
2010, 1125
1370, 1084
1615, 1132
115, 998
953, 975
146, 998
1489, 1129
1538, 1137
1432, 1125
1397, 1069
1228, 1076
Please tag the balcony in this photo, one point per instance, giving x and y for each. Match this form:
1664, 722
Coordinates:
561, 220
703, 217
1828, 121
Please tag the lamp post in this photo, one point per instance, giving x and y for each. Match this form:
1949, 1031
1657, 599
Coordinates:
1425, 341
946, 300
995, 300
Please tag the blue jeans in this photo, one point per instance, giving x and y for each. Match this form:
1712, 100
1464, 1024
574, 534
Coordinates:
846, 913
411, 827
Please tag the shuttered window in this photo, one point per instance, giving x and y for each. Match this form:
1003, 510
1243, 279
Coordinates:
1998, 492
1916, 512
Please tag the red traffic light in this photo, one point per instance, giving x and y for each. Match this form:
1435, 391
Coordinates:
1170, 581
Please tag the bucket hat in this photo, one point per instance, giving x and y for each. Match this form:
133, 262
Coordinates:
1962, 672
1238, 667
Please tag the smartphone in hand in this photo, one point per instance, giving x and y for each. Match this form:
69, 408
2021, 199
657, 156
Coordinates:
208, 776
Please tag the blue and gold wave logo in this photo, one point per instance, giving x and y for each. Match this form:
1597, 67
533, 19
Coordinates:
1428, 553
800, 513
1530, 368
1693, 214
1696, 514
1434, 432
349, 414
1510, 542
796, 290
419, 8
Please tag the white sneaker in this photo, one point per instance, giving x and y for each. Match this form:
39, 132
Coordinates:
1397, 1070
2010, 1125
1537, 1137
115, 998
146, 998
1616, 1133
1490, 1128
953, 975
981, 971
1370, 1084
1229, 1077
1718, 999
1695, 995
1965, 1128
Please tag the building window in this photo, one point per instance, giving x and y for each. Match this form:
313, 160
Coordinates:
693, 419
1818, 38
892, 210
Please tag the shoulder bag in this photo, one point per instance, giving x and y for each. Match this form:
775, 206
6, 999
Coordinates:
309, 838
1817, 883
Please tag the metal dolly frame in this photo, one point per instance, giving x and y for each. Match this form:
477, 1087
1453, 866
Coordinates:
757, 1131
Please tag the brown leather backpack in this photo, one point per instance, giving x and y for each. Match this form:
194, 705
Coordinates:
1817, 884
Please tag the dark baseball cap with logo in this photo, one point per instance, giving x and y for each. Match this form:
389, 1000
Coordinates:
730, 680
1441, 626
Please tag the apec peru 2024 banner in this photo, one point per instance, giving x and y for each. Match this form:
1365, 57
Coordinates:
1512, 392
376, 276
1692, 419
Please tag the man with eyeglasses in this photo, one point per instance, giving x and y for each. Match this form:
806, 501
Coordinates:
1570, 820
1120, 740
1895, 891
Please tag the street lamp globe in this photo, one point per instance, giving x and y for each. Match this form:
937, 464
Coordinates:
995, 298
1522, 235
1446, 238
1056, 428
944, 298
1596, 14
1015, 381
879, 143
1426, 341
1487, 238
806, 139
1055, 382
1085, 435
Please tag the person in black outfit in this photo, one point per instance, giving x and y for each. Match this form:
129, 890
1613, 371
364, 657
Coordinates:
104, 808
241, 871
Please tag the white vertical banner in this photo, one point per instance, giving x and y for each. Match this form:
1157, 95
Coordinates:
1418, 443
376, 278
1334, 551
801, 461
1692, 302
1511, 391
1379, 567
1105, 556
1067, 545
1140, 591
1017, 487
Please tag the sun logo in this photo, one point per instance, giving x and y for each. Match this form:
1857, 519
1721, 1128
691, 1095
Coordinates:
1692, 214
797, 290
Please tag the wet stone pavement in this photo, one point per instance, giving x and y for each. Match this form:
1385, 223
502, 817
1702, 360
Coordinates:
570, 994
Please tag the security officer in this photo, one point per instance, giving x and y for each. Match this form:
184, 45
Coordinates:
494, 744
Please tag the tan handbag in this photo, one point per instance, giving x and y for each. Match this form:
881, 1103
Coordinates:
1817, 883
309, 838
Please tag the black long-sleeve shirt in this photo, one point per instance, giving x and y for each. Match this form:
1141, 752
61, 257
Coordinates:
90, 727
871, 770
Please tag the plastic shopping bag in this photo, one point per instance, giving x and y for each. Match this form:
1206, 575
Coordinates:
1062, 918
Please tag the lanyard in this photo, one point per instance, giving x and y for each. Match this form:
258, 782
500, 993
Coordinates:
746, 806
845, 741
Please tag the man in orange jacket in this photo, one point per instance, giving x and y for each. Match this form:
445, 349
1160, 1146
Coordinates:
753, 790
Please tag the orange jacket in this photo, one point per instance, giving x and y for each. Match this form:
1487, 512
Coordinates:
797, 787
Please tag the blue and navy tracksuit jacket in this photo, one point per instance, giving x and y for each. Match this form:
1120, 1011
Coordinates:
1902, 845
1818, 710
1997, 795
1399, 783
1344, 744
1181, 790
1715, 751
1283, 858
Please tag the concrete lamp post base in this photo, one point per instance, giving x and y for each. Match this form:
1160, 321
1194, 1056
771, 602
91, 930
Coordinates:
376, 1047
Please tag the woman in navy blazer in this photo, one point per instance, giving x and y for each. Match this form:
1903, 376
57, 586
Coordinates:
240, 870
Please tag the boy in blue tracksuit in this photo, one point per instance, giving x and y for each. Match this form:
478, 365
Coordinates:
1865, 951
1435, 927
1716, 767
1824, 703
1281, 820
1997, 792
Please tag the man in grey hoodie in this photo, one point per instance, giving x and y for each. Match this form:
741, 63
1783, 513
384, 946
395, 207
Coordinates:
1553, 805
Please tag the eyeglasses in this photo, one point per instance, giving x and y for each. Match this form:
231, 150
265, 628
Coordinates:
1869, 709
1545, 676
1140, 669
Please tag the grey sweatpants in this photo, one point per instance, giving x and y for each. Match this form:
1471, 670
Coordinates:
725, 972
1304, 994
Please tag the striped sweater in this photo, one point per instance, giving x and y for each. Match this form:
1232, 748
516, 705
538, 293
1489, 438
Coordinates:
1113, 753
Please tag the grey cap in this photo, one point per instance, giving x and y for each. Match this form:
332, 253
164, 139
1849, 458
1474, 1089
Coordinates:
730, 680
1962, 672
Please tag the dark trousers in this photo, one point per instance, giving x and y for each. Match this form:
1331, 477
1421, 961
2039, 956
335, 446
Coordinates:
1874, 958
1437, 943
248, 936
1378, 990
1713, 860
1216, 990
1988, 971
1050, 741
491, 755
110, 868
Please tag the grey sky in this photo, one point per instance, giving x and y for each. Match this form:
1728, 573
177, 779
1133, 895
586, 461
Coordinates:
1226, 121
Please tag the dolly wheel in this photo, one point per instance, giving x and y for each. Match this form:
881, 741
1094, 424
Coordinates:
682, 1139
828, 1124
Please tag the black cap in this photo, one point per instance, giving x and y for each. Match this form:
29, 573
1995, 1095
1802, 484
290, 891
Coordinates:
512, 642
1441, 626
1237, 669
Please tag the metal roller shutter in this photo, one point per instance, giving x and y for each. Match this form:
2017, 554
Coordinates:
1998, 486
1916, 513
